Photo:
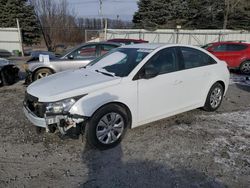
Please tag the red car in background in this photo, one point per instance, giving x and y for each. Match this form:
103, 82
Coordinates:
235, 54
127, 41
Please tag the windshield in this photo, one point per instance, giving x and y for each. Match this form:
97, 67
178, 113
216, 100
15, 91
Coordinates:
119, 62
66, 52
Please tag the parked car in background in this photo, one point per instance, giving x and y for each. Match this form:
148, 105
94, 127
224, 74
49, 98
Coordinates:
8, 72
235, 54
128, 87
5, 53
127, 41
72, 59
60, 49
34, 55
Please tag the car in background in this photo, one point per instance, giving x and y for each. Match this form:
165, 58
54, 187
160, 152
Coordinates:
8, 72
72, 59
34, 55
126, 88
5, 53
235, 54
127, 41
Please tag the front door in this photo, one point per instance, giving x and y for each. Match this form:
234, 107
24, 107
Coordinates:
159, 95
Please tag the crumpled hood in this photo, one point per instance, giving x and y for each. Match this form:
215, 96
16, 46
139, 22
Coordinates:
70, 84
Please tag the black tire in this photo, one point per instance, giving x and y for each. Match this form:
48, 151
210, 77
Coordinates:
45, 72
92, 123
9, 75
245, 67
3, 80
208, 106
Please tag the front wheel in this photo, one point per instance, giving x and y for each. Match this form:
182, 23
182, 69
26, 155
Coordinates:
106, 128
41, 73
214, 97
245, 67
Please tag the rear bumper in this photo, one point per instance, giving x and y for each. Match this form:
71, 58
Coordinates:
37, 121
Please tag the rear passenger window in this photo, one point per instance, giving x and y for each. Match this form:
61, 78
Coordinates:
220, 48
195, 58
236, 47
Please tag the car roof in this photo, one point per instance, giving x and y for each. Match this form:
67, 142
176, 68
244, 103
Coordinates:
103, 42
151, 46
126, 40
231, 42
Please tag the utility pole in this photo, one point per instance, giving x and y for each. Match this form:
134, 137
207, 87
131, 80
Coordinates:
100, 12
20, 36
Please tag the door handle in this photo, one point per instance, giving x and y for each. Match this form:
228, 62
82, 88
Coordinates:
177, 82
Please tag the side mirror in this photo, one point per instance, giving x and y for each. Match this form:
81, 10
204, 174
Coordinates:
70, 57
149, 72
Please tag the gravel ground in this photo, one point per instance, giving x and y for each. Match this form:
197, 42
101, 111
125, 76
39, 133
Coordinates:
193, 149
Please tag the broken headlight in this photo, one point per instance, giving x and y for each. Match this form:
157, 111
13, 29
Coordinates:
60, 106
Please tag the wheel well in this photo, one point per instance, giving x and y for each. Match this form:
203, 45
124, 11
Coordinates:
34, 72
245, 60
222, 83
124, 107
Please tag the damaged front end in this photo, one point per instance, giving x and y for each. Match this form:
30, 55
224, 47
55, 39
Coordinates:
53, 115
63, 123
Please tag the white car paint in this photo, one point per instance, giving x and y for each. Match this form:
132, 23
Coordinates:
147, 99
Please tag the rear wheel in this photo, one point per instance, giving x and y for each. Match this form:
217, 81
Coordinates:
214, 97
107, 127
41, 73
245, 67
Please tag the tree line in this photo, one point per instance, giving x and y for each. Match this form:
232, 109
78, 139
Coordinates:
59, 24
52, 21
193, 14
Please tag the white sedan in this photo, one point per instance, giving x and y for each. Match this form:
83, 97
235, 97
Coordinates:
128, 87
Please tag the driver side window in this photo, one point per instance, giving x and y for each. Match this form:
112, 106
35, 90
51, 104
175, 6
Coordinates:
164, 61
84, 52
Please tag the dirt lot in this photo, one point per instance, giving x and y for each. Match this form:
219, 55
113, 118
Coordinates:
193, 149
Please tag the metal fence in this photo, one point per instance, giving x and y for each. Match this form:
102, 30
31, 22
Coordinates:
192, 37
10, 39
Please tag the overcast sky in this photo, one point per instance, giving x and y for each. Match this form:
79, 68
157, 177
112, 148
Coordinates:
111, 8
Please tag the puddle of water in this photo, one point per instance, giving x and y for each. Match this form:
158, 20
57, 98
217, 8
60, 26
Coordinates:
240, 79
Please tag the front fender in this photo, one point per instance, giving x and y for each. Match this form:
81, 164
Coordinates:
125, 94
37, 65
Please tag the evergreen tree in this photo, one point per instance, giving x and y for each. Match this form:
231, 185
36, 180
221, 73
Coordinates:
193, 14
12, 9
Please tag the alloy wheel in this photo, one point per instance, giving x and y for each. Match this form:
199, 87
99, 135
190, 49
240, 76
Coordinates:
110, 128
246, 67
216, 97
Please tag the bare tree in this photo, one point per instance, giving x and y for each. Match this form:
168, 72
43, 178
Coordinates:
58, 22
230, 6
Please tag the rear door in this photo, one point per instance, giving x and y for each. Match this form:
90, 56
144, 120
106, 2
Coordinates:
236, 54
196, 75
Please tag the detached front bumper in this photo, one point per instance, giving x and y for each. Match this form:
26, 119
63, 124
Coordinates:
37, 121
